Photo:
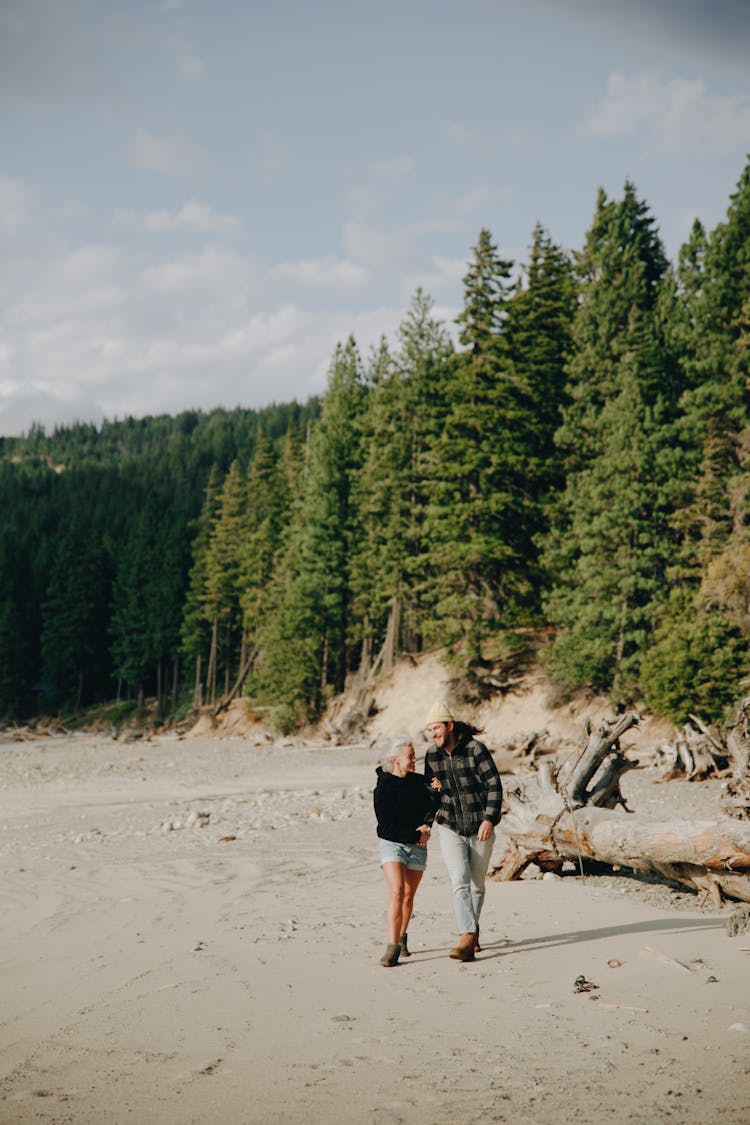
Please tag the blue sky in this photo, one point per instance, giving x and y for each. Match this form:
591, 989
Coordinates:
199, 198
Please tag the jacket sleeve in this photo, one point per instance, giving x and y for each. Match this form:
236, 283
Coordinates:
432, 796
432, 801
490, 775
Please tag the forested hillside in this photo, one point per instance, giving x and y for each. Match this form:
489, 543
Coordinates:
575, 465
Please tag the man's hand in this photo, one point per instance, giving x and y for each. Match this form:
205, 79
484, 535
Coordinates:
485, 830
424, 834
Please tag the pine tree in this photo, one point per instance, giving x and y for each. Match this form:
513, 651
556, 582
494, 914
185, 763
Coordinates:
75, 614
147, 596
538, 332
195, 630
304, 643
479, 526
402, 426
270, 486
225, 580
16, 654
702, 631
539, 325
610, 543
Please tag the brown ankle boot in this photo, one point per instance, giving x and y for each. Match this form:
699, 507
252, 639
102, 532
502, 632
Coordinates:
464, 951
477, 946
390, 957
404, 947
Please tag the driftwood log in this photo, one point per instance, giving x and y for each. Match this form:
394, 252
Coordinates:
696, 752
738, 747
570, 812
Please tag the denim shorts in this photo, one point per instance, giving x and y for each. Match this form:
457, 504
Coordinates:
413, 856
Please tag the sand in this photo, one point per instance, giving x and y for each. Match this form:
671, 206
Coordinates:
191, 932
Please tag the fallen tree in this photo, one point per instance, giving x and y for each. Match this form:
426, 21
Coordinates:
575, 811
696, 752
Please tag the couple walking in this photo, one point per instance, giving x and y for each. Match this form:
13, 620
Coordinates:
462, 793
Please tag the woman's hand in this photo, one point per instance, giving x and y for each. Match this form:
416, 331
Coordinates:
424, 831
437, 785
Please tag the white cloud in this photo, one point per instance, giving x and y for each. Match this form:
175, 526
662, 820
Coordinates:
397, 168
679, 115
187, 63
193, 216
430, 227
92, 332
215, 277
323, 273
170, 155
437, 277
367, 243
274, 156
15, 200
478, 144
480, 197
523, 140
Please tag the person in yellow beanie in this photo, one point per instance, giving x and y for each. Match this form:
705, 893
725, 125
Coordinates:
471, 794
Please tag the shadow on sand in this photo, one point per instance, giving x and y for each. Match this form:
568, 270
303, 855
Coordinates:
504, 947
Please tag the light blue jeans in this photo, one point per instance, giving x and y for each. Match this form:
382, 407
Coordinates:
466, 860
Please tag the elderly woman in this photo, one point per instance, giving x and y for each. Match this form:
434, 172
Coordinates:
404, 808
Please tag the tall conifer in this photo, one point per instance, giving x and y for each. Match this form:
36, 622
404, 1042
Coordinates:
402, 426
478, 524
610, 543
304, 642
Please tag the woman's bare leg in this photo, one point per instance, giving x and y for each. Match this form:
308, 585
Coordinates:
412, 880
395, 878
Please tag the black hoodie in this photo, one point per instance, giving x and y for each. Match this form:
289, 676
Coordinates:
401, 805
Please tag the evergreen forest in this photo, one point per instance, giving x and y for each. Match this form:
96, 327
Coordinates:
568, 463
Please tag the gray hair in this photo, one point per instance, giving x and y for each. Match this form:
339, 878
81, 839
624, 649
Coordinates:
395, 748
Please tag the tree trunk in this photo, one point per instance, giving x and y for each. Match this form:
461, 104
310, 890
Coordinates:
198, 688
566, 813
391, 636
159, 689
738, 748
245, 669
79, 694
212, 657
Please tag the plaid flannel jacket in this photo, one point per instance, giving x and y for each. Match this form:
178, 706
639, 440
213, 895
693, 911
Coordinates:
472, 790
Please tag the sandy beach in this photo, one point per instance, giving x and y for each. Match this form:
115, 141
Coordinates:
191, 930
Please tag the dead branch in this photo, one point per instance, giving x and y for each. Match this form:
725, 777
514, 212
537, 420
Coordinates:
567, 813
244, 672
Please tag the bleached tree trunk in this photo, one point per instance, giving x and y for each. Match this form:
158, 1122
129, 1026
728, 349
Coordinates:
568, 814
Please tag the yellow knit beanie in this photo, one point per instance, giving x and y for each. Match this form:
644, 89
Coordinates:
439, 713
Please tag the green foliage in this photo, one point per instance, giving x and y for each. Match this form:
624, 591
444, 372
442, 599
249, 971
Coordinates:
100, 481
579, 462
304, 639
391, 564
75, 613
479, 520
609, 547
694, 666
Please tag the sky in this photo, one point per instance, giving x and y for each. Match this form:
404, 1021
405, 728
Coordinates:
200, 198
